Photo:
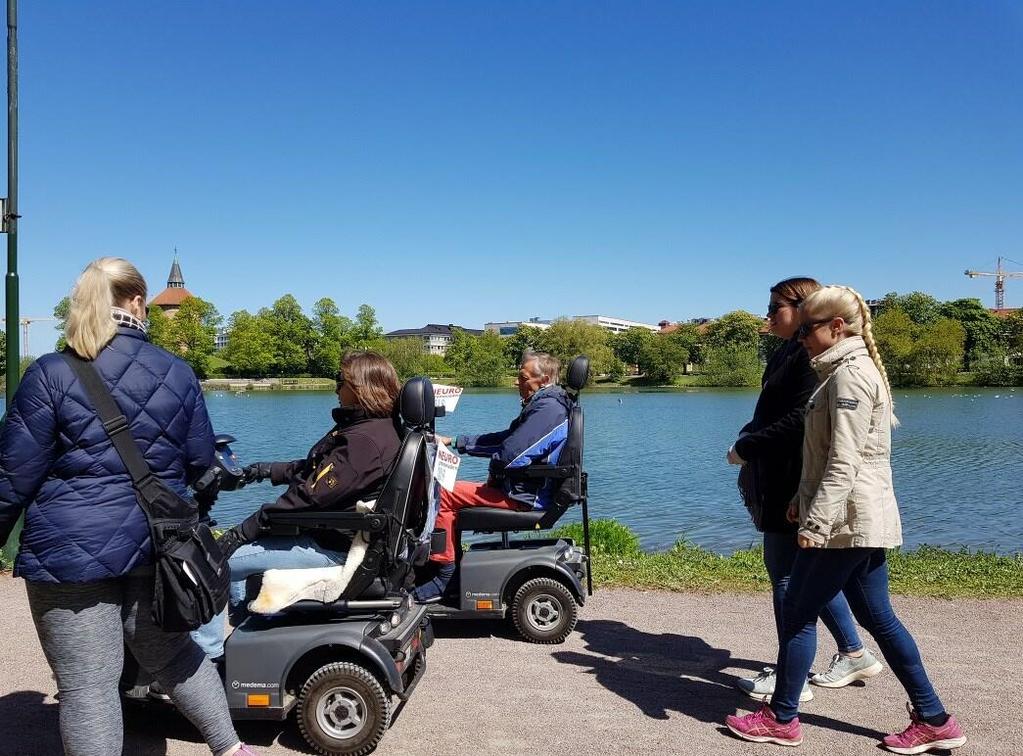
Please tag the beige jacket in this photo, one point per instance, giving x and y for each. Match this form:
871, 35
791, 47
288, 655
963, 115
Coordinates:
845, 493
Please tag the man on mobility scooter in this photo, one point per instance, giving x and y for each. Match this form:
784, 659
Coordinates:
535, 475
339, 662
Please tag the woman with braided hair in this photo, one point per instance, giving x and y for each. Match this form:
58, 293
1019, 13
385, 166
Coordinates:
847, 516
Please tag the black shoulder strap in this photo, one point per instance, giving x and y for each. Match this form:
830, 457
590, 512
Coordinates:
114, 421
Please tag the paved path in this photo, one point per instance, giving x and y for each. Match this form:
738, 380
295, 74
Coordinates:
646, 672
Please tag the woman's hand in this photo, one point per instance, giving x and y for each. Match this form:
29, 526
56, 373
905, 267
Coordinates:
733, 457
792, 513
446, 440
256, 472
806, 543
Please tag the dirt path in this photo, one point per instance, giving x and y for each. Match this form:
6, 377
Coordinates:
646, 672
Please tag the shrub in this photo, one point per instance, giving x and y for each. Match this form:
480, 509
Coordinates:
607, 537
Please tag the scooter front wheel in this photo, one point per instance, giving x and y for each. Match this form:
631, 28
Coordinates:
544, 611
343, 709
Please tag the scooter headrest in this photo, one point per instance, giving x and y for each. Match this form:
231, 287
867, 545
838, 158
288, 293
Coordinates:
578, 373
416, 402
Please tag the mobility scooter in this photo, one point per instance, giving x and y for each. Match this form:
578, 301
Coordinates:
537, 582
339, 664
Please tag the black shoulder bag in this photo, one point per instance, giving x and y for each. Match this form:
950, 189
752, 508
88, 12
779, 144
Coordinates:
192, 574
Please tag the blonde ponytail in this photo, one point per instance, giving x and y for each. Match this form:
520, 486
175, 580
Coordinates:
104, 283
867, 333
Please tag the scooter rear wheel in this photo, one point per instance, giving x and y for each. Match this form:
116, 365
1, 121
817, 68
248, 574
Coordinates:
343, 709
544, 611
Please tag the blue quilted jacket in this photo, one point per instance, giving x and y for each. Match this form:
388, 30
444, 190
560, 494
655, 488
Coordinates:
82, 521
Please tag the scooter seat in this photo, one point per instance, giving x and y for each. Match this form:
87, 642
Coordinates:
498, 520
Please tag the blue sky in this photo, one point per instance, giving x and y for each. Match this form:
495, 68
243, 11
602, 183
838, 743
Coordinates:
472, 161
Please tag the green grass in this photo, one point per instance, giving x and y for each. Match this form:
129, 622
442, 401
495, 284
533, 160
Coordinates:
926, 571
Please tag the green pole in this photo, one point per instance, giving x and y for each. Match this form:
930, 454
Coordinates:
10, 227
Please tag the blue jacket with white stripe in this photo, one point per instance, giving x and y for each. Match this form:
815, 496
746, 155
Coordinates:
536, 435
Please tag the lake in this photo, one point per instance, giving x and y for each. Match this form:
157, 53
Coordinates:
656, 460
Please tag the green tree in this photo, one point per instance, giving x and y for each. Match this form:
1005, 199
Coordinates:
737, 328
292, 333
60, 312
663, 357
628, 345
731, 365
922, 309
566, 339
476, 360
332, 333
367, 329
917, 354
894, 333
937, 353
983, 329
526, 338
1012, 332
250, 345
688, 335
159, 330
193, 333
407, 355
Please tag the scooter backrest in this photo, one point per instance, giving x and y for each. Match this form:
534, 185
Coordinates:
577, 374
416, 403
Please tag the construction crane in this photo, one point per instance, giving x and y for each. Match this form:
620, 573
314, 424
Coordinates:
25, 322
1000, 274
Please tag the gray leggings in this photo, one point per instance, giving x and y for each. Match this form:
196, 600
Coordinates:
83, 628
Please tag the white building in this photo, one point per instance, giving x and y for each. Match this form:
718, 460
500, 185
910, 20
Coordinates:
614, 325
436, 338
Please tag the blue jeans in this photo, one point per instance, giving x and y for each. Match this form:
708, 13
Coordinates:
780, 551
271, 553
818, 575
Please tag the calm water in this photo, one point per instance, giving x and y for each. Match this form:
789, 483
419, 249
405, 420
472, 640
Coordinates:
656, 460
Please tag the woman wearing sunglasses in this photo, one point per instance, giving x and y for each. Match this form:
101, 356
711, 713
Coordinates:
847, 517
347, 465
770, 449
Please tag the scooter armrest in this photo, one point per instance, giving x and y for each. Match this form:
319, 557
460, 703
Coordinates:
290, 523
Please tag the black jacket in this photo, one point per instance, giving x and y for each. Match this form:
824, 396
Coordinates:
348, 464
773, 443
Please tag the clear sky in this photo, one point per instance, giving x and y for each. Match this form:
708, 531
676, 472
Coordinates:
472, 161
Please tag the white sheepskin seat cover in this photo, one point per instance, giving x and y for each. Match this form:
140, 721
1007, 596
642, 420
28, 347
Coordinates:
282, 588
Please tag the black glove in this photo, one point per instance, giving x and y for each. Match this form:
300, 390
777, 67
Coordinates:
230, 540
256, 472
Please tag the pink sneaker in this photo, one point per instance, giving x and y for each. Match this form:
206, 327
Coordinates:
921, 737
762, 727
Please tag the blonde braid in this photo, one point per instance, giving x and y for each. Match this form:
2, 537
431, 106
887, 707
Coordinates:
867, 333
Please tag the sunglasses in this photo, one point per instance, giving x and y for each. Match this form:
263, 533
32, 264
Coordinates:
805, 329
772, 309
339, 381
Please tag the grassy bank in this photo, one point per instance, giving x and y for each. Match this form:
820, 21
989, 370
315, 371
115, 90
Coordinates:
926, 571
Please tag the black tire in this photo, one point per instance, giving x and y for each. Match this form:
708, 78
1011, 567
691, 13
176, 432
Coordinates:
544, 611
330, 699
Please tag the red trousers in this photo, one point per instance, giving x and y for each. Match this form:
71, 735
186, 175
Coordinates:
467, 494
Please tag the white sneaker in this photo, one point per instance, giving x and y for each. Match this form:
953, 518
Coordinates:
761, 687
847, 669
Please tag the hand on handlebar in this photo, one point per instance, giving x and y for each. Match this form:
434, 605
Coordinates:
255, 473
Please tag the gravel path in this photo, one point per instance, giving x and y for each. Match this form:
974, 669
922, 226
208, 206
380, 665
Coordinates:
645, 672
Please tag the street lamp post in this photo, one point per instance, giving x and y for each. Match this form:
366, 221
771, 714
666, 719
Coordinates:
10, 204
10, 227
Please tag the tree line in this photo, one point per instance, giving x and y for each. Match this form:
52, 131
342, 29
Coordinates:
923, 342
